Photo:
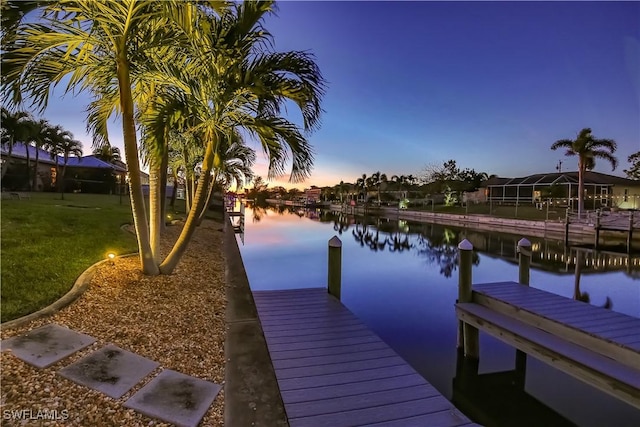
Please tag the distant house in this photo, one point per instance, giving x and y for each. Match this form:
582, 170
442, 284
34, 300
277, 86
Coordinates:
89, 174
312, 195
86, 174
601, 190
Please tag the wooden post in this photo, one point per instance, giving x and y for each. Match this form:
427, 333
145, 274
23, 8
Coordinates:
524, 262
566, 229
469, 337
334, 282
630, 235
597, 227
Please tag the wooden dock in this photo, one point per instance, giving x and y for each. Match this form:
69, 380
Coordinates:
596, 345
333, 371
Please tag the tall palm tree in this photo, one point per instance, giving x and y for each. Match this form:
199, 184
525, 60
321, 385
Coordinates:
377, 179
61, 142
14, 129
239, 84
400, 182
226, 79
38, 135
341, 190
95, 44
362, 183
588, 149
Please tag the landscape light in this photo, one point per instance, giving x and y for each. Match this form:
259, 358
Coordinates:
111, 256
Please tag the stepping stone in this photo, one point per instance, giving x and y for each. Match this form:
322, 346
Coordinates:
46, 345
175, 398
110, 370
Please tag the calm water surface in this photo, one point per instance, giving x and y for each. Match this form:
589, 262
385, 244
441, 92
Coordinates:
400, 278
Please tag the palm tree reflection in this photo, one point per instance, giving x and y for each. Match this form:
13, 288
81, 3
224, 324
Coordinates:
258, 212
442, 250
578, 295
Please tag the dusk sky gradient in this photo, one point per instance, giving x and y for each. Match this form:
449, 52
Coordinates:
489, 84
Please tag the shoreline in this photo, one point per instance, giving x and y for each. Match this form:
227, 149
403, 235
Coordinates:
580, 234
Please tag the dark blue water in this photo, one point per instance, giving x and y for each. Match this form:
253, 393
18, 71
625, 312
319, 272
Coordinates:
400, 278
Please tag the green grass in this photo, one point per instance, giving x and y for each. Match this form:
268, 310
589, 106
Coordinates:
500, 211
47, 243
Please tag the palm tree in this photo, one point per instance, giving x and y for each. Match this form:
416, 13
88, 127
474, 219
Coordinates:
634, 170
38, 136
14, 128
362, 183
95, 44
61, 142
377, 179
107, 153
238, 84
221, 74
232, 165
588, 149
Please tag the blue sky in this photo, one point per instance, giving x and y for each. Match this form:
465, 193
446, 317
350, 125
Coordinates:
489, 84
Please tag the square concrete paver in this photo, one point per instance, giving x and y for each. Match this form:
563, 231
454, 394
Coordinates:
46, 345
176, 398
110, 370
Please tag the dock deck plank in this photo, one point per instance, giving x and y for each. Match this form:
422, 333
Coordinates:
597, 321
334, 371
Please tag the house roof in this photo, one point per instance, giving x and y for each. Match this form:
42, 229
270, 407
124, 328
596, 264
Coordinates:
93, 162
590, 178
20, 151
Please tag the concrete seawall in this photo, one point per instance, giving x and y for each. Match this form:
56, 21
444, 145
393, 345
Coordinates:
553, 229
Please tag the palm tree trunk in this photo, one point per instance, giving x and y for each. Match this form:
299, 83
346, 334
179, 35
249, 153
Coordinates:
155, 218
164, 165
171, 261
187, 193
194, 188
7, 162
35, 170
131, 154
64, 170
205, 208
28, 166
57, 186
187, 179
581, 170
175, 188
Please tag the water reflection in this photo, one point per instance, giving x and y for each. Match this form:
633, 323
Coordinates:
577, 293
437, 244
499, 399
399, 279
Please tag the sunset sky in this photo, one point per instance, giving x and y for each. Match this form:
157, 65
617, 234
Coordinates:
491, 85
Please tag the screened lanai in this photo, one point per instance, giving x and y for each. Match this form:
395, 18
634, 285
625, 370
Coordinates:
600, 189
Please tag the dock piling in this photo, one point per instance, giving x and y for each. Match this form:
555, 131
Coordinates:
524, 264
566, 228
467, 334
597, 230
524, 261
334, 282
630, 235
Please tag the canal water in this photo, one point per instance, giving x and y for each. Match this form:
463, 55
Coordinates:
400, 278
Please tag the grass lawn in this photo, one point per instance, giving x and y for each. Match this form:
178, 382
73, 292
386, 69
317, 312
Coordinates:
500, 211
47, 243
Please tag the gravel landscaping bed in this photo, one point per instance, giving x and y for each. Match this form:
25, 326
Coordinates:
176, 320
